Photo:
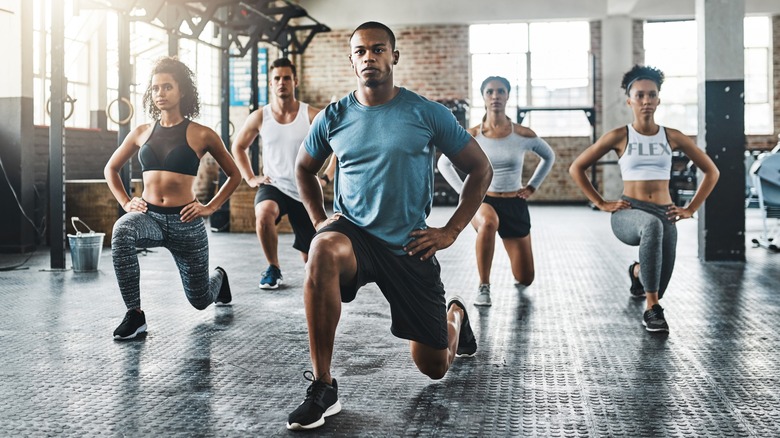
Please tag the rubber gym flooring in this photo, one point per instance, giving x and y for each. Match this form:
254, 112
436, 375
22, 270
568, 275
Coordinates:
566, 357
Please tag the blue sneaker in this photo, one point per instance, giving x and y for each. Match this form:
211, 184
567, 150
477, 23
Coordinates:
272, 278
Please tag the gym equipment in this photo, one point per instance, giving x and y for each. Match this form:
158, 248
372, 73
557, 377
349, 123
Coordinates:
766, 180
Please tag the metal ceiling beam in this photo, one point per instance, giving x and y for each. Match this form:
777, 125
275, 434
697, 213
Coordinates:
269, 21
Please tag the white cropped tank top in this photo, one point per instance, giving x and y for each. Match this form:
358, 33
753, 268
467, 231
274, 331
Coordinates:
647, 157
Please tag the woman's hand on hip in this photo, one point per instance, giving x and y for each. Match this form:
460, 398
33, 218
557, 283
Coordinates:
135, 204
613, 206
194, 210
675, 213
526, 192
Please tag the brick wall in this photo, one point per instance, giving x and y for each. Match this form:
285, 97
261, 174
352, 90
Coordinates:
558, 186
86, 153
434, 62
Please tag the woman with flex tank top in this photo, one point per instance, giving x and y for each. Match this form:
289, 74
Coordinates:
645, 215
167, 214
504, 209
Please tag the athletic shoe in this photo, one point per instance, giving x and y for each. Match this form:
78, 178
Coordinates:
322, 400
637, 289
133, 325
272, 278
483, 296
654, 320
224, 297
467, 342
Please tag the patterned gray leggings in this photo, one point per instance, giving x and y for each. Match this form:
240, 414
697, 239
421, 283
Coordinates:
187, 242
645, 224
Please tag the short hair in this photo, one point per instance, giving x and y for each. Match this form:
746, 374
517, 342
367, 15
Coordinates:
642, 72
375, 25
184, 77
283, 62
501, 79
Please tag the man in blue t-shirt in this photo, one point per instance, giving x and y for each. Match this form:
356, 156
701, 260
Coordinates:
384, 138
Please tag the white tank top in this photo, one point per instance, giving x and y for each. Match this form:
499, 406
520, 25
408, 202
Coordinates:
647, 157
280, 148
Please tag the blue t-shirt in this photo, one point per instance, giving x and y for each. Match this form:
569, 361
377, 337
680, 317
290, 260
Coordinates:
384, 179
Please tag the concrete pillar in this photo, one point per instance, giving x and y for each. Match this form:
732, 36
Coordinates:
99, 76
722, 126
17, 234
616, 59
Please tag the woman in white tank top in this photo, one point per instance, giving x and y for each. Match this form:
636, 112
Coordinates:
504, 209
645, 215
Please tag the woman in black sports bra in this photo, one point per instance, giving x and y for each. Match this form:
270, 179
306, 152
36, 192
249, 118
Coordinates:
168, 214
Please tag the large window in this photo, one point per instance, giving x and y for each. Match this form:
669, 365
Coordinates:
672, 47
530, 56
78, 31
92, 73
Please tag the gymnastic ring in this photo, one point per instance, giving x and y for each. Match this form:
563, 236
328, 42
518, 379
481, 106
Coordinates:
127, 119
231, 127
68, 99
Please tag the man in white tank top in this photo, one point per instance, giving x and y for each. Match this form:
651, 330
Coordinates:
282, 125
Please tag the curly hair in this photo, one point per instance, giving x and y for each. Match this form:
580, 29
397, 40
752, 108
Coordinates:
642, 72
503, 80
185, 78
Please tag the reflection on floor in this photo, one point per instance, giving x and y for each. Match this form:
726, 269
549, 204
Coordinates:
566, 357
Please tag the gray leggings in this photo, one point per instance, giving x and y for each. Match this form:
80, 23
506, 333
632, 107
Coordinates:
645, 224
187, 242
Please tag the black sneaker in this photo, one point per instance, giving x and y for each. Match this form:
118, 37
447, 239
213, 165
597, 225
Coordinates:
654, 320
637, 289
224, 297
322, 400
467, 343
133, 325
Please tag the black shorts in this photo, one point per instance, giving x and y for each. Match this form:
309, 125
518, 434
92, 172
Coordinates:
412, 287
513, 217
295, 211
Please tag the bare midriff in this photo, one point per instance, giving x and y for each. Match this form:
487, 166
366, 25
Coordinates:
655, 191
168, 189
502, 194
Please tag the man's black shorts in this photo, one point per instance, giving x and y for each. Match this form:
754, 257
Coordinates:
295, 211
412, 287
513, 217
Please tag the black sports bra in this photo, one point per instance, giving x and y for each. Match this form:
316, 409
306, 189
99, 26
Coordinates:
167, 149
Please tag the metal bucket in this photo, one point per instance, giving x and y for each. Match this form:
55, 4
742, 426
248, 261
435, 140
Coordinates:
85, 248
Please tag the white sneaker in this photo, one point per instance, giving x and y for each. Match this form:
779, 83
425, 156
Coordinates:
483, 296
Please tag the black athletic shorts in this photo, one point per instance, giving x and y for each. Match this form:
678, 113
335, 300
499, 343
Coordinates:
412, 287
295, 211
513, 217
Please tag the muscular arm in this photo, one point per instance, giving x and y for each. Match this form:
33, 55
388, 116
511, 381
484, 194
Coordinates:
588, 158
448, 171
214, 146
546, 160
306, 168
473, 161
682, 143
241, 145
118, 159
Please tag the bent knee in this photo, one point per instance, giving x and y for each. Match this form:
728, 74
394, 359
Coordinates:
199, 304
526, 279
329, 247
265, 221
488, 225
435, 371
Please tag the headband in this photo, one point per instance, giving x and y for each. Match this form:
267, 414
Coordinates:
628, 87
